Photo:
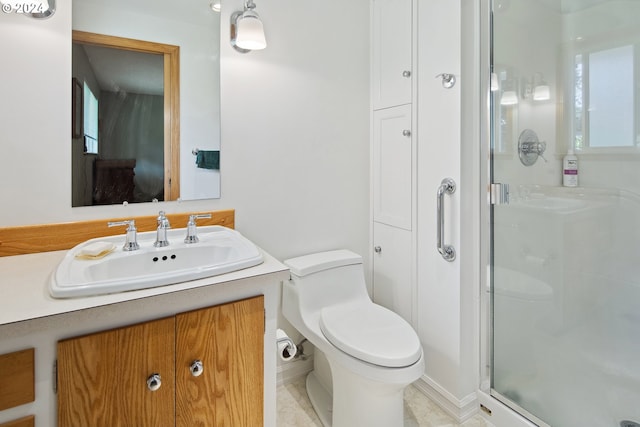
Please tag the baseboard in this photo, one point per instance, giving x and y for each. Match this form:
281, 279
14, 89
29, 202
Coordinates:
287, 372
460, 409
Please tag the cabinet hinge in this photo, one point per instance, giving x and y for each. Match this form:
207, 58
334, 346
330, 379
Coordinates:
55, 376
499, 193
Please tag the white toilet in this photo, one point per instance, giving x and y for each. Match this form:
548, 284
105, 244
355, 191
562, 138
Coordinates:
372, 352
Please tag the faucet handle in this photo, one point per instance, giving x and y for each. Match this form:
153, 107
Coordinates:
192, 236
131, 239
163, 221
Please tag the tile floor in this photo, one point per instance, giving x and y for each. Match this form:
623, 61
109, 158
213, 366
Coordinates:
294, 409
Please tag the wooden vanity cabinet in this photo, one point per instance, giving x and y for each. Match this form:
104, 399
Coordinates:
102, 377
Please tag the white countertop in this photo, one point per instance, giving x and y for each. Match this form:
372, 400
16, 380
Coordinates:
24, 286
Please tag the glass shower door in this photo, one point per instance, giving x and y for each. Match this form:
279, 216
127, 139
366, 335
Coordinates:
566, 259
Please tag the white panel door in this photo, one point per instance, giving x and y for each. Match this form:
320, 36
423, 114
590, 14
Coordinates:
392, 166
391, 56
392, 281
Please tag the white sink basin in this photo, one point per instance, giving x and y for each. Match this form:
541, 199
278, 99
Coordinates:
220, 250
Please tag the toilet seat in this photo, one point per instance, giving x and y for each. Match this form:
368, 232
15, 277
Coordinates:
371, 333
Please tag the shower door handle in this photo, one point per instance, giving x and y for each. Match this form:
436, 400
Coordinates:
447, 186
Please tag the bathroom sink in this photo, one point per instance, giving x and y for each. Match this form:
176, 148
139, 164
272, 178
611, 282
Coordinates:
219, 250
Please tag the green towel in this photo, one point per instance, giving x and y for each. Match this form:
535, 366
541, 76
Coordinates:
208, 159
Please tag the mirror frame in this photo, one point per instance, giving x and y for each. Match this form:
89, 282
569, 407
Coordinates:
171, 56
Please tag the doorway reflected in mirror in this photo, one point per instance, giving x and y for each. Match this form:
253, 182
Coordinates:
127, 150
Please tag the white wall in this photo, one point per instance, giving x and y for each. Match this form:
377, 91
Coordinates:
294, 127
446, 315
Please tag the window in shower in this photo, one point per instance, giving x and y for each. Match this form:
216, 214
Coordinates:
604, 99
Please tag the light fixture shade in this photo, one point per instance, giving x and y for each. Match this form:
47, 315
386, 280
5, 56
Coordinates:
542, 93
250, 32
509, 97
495, 84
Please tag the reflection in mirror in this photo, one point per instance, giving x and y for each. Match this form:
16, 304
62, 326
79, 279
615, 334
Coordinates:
130, 119
191, 116
505, 111
604, 81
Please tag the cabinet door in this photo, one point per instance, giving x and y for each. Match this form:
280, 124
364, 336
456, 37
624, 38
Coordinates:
28, 421
392, 269
392, 154
102, 378
17, 378
229, 341
391, 53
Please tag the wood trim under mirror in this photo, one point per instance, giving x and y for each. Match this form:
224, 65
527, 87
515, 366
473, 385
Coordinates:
171, 55
29, 239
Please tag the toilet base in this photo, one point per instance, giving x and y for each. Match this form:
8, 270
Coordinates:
356, 401
320, 399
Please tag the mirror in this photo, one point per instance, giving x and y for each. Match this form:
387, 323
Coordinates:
149, 128
125, 120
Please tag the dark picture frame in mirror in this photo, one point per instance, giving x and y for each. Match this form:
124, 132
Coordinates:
76, 108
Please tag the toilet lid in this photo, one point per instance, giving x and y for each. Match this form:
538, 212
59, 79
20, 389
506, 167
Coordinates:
371, 333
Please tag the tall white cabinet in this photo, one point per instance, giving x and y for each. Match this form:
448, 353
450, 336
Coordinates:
392, 51
393, 154
416, 142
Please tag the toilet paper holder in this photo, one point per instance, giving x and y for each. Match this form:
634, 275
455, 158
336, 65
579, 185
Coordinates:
286, 347
290, 347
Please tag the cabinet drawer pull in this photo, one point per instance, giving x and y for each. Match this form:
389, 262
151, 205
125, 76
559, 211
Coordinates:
378, 249
154, 382
406, 73
406, 132
196, 368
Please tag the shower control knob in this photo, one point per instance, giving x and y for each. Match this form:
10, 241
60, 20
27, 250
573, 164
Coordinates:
406, 73
378, 249
196, 368
154, 382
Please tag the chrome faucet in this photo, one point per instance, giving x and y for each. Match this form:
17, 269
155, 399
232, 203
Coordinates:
163, 226
192, 236
131, 239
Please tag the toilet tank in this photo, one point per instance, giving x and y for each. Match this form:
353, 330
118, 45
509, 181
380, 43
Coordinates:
328, 278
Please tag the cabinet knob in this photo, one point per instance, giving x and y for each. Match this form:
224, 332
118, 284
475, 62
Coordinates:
154, 382
406, 132
406, 73
196, 368
378, 249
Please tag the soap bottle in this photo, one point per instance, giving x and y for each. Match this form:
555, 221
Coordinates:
570, 169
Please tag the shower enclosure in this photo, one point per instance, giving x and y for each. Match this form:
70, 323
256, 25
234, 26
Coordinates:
565, 261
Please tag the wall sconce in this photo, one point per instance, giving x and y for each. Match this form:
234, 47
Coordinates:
509, 88
495, 84
509, 97
536, 88
247, 32
38, 9
541, 92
